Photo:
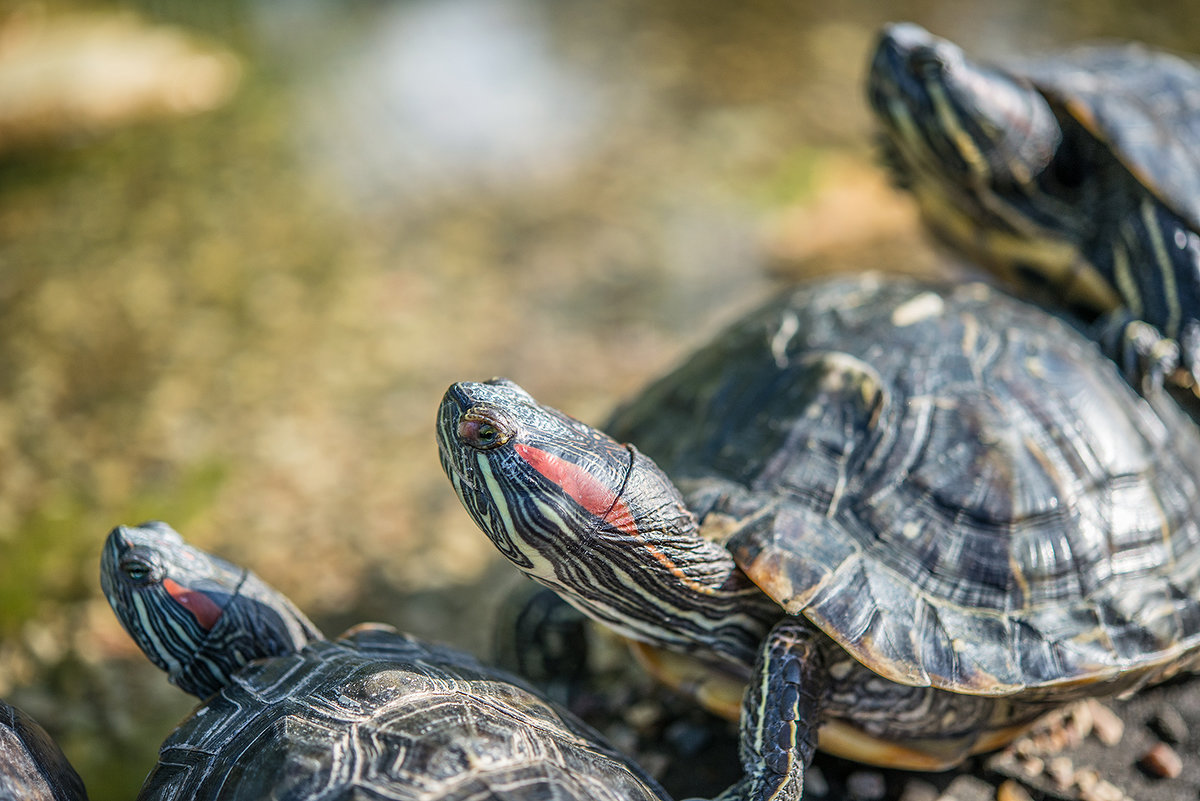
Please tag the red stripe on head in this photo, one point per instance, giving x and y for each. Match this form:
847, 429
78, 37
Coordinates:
203, 608
587, 490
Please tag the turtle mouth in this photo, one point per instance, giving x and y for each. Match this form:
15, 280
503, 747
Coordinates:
892, 80
909, 67
461, 476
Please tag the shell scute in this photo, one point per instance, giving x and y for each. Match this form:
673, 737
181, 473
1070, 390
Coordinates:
973, 500
1144, 104
379, 714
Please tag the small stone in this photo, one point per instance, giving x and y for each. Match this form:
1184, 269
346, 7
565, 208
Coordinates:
622, 737
1103, 791
654, 764
1012, 791
815, 783
1005, 763
688, 739
643, 715
1161, 761
918, 790
1024, 748
1108, 728
1086, 779
1061, 771
1080, 721
1033, 766
968, 788
1169, 725
866, 785
1059, 738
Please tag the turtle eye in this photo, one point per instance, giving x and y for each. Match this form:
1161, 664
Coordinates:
481, 432
138, 570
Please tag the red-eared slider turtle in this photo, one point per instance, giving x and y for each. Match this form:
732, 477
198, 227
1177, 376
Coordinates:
1075, 175
32, 766
912, 516
374, 714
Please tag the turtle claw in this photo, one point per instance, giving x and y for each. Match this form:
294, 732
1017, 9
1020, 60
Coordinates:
1189, 354
1146, 358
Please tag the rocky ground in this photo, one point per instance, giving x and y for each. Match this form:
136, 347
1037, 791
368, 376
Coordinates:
1146, 747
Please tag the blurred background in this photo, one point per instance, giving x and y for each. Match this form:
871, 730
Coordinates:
245, 245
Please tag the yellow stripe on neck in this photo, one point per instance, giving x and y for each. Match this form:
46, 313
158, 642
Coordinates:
1060, 261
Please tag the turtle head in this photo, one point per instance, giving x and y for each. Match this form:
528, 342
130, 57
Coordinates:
532, 478
196, 616
972, 125
592, 518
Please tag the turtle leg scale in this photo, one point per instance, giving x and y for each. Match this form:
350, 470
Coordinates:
780, 714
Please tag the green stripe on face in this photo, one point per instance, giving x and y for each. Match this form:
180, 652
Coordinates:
956, 136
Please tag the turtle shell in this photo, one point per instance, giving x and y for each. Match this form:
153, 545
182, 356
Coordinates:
32, 766
955, 486
1144, 105
377, 714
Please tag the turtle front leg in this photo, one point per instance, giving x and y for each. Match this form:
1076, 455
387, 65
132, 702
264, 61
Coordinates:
1144, 355
1189, 348
780, 715
1152, 363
